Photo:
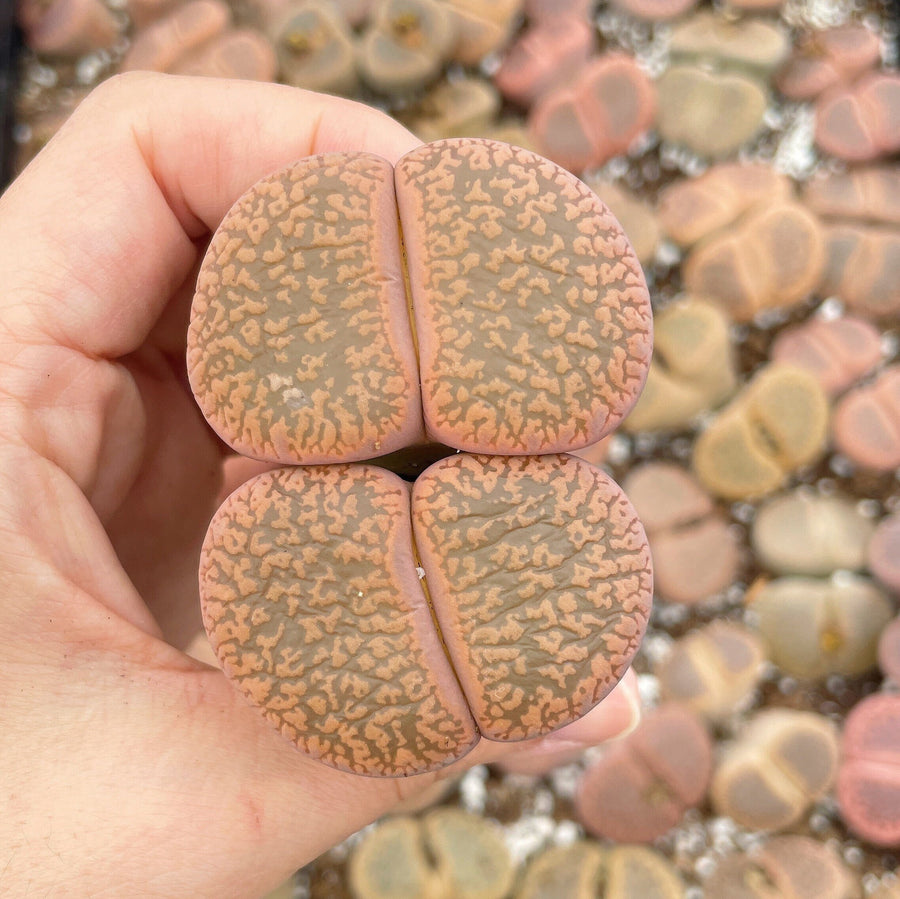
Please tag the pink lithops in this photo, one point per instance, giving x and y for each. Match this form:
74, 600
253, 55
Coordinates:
861, 122
640, 788
868, 785
865, 193
889, 651
695, 554
331, 595
786, 867
837, 351
406, 44
824, 59
67, 27
866, 422
780, 764
530, 326
162, 46
884, 552
550, 53
600, 115
713, 670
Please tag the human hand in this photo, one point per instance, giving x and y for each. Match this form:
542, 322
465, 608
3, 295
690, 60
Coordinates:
130, 768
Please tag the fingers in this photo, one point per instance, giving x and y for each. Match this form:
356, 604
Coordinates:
97, 233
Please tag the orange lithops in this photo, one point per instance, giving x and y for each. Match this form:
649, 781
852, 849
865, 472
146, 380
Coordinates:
328, 593
530, 316
476, 296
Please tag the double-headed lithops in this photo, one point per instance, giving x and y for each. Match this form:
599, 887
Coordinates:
782, 762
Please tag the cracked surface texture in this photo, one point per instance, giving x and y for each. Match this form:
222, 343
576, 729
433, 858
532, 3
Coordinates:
537, 568
313, 606
540, 577
299, 344
532, 315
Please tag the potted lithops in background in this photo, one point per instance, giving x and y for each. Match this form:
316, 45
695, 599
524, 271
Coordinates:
446, 430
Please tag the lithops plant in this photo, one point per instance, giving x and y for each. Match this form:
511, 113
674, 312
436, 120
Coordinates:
837, 351
884, 552
447, 853
713, 670
67, 27
695, 552
782, 761
586, 870
868, 787
655, 10
482, 28
776, 424
642, 785
803, 532
315, 47
406, 44
889, 651
861, 122
600, 115
861, 213
824, 59
693, 368
462, 108
866, 422
815, 627
530, 329
785, 867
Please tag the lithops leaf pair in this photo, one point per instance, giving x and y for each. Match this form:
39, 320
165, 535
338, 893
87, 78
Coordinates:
477, 296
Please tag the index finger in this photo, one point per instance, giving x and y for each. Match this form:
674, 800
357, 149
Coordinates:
99, 230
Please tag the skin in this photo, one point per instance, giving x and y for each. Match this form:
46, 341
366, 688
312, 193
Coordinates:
128, 767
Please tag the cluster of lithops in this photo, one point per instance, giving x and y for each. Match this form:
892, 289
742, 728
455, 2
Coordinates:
749, 150
384, 628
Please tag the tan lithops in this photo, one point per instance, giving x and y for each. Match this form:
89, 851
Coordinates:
695, 553
642, 785
777, 767
837, 351
315, 48
655, 10
693, 369
772, 258
732, 42
383, 632
550, 52
713, 670
586, 870
785, 867
522, 334
482, 27
816, 627
172, 40
406, 44
866, 422
710, 113
884, 552
448, 854
802, 532
635, 216
775, 425
824, 59
463, 108
694, 208
242, 53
